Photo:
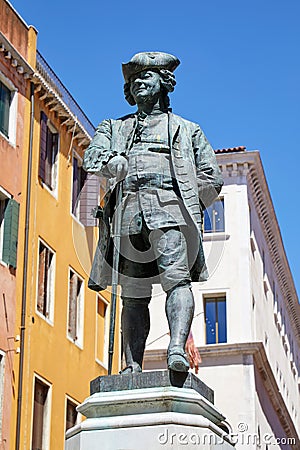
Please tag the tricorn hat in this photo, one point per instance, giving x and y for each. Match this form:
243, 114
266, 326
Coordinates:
149, 60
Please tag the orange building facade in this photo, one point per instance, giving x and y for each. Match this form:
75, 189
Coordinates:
55, 335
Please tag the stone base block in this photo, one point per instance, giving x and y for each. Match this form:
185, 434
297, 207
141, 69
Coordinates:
149, 418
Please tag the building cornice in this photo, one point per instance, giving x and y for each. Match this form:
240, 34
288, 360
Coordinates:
56, 97
53, 101
17, 61
249, 164
260, 358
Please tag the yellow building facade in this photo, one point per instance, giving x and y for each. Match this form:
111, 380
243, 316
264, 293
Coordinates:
63, 326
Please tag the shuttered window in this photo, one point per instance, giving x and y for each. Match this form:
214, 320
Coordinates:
89, 199
9, 228
5, 102
40, 428
102, 342
75, 313
46, 268
71, 414
48, 153
79, 180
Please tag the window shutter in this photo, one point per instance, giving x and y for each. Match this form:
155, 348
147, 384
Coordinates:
48, 161
40, 397
71, 415
43, 146
73, 305
75, 185
55, 146
89, 199
41, 286
5, 99
10, 234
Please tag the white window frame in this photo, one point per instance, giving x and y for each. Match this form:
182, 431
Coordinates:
104, 362
80, 311
4, 195
214, 293
51, 285
47, 412
12, 126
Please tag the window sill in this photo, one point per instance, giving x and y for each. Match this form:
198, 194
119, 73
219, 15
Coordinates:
41, 316
4, 264
216, 236
43, 185
75, 342
11, 143
77, 220
102, 364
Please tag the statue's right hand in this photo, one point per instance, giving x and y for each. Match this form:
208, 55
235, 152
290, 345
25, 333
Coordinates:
118, 167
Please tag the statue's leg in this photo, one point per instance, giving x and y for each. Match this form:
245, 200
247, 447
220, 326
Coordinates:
136, 295
172, 259
180, 311
135, 322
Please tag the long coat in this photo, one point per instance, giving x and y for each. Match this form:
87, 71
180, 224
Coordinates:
195, 167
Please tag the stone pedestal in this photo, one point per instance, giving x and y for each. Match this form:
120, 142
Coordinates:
149, 411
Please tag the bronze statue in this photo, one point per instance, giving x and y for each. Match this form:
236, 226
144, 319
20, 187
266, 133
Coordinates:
169, 175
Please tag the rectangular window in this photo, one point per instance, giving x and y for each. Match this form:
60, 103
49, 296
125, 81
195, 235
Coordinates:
48, 153
8, 109
101, 333
75, 313
72, 415
5, 102
9, 227
41, 416
46, 274
214, 217
215, 320
79, 178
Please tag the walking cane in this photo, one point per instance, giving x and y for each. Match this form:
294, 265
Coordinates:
115, 271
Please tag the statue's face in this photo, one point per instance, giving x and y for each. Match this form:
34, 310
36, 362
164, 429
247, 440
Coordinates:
144, 86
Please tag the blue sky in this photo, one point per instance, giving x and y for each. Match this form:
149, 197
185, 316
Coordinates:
239, 76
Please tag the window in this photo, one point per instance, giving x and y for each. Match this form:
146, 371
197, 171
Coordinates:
79, 177
41, 416
46, 273
8, 109
214, 217
215, 320
48, 153
5, 102
72, 415
263, 259
102, 329
9, 225
75, 313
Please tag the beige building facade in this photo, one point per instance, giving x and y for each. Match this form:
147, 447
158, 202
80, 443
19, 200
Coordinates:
247, 315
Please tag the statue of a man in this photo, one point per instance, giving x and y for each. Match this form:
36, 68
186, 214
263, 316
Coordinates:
169, 175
